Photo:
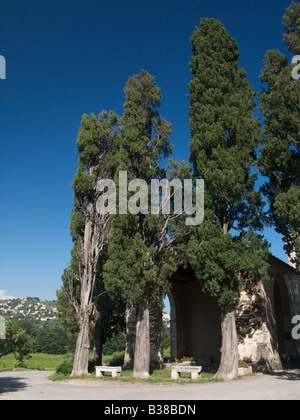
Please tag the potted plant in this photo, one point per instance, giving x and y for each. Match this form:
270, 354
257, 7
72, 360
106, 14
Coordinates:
244, 368
187, 361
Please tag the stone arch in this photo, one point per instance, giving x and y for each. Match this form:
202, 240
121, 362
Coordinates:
173, 325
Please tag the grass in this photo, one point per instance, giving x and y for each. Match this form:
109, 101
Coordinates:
43, 361
161, 377
39, 361
157, 377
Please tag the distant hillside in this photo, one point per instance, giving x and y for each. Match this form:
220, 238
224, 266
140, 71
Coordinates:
31, 308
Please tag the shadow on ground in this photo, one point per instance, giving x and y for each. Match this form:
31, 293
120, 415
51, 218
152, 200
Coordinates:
290, 375
11, 384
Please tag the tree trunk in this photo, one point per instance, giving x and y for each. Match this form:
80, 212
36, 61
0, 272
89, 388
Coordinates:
95, 236
97, 350
142, 340
156, 335
97, 347
130, 336
228, 369
81, 359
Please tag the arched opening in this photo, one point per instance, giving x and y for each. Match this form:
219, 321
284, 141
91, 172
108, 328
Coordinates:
195, 320
283, 318
170, 324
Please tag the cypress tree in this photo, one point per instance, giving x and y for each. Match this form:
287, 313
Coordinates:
88, 228
291, 22
139, 257
280, 148
225, 250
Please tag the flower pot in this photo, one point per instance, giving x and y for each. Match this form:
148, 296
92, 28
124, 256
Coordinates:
245, 371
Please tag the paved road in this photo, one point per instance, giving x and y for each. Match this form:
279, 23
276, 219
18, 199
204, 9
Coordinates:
35, 385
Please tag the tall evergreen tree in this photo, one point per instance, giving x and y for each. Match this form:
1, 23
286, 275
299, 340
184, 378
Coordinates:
225, 250
291, 22
139, 256
279, 158
89, 229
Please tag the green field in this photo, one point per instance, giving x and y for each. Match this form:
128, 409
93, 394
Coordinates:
40, 361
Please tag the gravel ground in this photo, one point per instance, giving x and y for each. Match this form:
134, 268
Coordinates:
35, 385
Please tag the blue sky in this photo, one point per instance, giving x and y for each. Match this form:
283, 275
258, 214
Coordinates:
66, 58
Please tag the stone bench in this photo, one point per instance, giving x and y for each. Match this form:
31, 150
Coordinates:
194, 370
115, 371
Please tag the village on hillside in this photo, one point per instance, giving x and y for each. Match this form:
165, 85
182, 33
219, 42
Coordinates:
28, 308
39, 310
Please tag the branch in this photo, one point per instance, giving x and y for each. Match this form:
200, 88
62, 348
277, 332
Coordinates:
101, 294
237, 229
71, 293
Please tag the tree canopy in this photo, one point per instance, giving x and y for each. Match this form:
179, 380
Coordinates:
227, 249
224, 138
279, 152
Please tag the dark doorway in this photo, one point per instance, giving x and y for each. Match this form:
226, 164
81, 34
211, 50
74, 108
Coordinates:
195, 319
283, 318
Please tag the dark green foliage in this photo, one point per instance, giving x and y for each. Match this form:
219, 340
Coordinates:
287, 208
224, 133
224, 251
54, 340
17, 341
111, 323
48, 337
82, 184
117, 342
279, 154
280, 107
291, 22
223, 263
133, 258
144, 140
66, 311
128, 263
65, 367
95, 139
117, 358
132, 263
94, 143
77, 224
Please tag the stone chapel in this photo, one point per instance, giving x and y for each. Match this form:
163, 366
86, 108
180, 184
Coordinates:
264, 320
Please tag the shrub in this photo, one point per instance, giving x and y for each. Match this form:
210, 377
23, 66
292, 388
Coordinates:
116, 343
167, 352
66, 365
117, 358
